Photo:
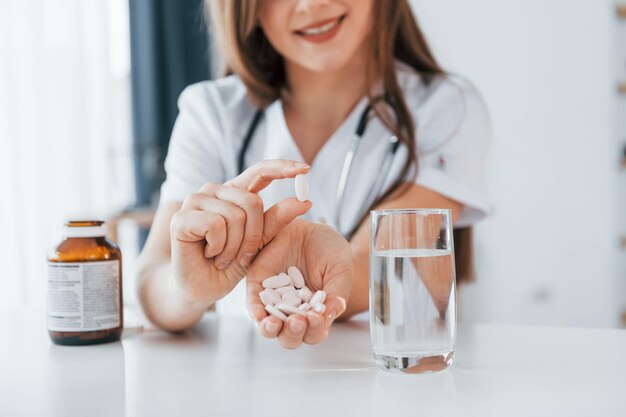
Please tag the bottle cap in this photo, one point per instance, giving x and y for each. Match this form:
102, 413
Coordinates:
84, 228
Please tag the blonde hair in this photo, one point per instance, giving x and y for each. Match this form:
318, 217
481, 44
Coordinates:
395, 35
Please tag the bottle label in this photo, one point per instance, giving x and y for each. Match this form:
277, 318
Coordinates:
83, 296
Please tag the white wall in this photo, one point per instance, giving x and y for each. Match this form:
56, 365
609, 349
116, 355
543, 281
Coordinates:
548, 254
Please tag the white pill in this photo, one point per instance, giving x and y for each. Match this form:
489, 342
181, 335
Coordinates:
296, 276
291, 300
318, 298
305, 294
286, 290
305, 307
275, 312
277, 281
289, 309
269, 296
302, 187
320, 308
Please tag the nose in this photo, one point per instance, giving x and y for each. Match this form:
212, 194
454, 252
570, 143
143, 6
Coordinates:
312, 6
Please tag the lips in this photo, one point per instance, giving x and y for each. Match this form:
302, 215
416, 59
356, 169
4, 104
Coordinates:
321, 31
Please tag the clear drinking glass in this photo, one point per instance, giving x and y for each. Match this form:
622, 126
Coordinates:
412, 290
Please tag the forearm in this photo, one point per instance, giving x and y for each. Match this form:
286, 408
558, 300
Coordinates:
163, 302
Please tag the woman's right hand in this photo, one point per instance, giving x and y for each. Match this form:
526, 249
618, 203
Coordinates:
219, 230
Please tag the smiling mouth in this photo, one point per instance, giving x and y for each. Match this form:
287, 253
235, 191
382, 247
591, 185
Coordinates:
321, 28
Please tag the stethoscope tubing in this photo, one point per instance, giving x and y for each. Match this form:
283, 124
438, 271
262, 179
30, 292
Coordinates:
355, 142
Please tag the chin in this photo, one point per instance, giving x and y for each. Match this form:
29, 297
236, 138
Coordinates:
322, 64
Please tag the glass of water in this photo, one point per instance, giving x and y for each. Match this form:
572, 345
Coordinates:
412, 290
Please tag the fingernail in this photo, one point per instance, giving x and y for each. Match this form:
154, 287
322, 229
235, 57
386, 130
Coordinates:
331, 317
245, 258
271, 327
296, 326
301, 165
223, 265
314, 320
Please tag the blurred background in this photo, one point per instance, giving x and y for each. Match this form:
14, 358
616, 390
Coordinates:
88, 93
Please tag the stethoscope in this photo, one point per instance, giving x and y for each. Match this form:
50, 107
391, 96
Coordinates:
355, 141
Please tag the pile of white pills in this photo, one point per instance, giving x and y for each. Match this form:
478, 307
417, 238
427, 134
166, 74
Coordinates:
285, 294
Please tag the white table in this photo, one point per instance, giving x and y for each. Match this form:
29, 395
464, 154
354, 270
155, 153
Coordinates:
223, 368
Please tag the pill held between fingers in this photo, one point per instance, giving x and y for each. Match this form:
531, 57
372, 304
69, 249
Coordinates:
320, 308
305, 294
318, 297
277, 281
305, 307
275, 312
289, 309
296, 276
302, 187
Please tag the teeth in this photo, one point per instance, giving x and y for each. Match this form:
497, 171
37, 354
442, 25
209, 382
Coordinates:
321, 29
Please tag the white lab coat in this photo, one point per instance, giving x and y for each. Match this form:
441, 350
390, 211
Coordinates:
452, 137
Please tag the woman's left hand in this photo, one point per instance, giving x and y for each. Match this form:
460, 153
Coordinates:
325, 259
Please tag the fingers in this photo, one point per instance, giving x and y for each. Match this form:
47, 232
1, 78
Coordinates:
335, 307
241, 192
234, 218
317, 330
290, 334
337, 276
215, 237
293, 331
197, 225
250, 220
270, 326
319, 324
337, 283
261, 174
278, 216
256, 309
312, 329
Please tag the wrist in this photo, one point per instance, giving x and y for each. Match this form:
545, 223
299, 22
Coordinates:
164, 302
187, 297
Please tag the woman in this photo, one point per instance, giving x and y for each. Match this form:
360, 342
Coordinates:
303, 74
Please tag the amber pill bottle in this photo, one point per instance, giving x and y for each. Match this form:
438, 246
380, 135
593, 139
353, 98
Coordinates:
84, 286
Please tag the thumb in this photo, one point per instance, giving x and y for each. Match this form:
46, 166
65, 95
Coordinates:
335, 307
277, 217
337, 286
